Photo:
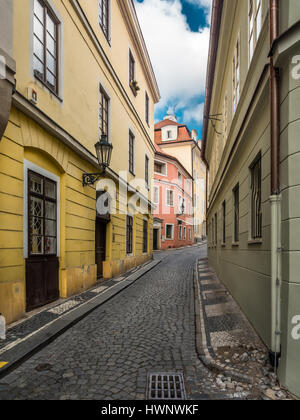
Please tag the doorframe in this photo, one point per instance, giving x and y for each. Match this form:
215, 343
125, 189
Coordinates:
35, 168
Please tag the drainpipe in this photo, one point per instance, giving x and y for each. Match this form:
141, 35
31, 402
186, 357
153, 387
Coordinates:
275, 199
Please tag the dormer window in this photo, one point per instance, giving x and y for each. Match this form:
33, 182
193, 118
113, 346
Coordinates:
169, 134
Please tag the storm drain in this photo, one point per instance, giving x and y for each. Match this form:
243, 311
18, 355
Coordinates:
166, 386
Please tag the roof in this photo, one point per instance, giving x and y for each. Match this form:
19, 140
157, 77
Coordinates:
183, 131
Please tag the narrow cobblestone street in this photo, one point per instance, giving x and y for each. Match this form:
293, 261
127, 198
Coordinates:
149, 327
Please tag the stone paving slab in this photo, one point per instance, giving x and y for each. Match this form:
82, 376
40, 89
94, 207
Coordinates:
28, 336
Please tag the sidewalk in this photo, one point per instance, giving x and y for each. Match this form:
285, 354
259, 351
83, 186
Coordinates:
227, 343
34, 332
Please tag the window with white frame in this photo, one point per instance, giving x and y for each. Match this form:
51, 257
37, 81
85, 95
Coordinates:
180, 232
160, 168
156, 195
104, 17
170, 198
169, 232
184, 233
45, 45
255, 24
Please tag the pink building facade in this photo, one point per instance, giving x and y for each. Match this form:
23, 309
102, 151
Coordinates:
172, 197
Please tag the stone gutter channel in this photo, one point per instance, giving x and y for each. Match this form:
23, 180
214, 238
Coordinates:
27, 337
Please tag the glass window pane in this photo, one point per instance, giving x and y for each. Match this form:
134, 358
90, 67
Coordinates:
36, 184
39, 10
38, 29
50, 210
51, 45
51, 65
36, 207
50, 189
51, 79
38, 49
50, 227
51, 26
36, 226
50, 246
38, 67
37, 245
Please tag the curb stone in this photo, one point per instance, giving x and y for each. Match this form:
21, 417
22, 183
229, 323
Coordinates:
40, 338
201, 344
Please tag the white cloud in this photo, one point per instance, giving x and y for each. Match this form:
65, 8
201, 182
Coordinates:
193, 113
178, 55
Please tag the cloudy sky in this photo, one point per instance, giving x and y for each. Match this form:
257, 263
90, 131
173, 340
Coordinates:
177, 36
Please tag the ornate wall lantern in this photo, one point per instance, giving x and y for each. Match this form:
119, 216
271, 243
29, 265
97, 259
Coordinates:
103, 151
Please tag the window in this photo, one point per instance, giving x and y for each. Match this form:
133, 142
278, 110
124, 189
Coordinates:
179, 177
129, 234
147, 108
190, 234
45, 45
255, 24
160, 168
236, 215
180, 232
145, 236
169, 134
170, 198
42, 215
169, 232
156, 195
146, 170
256, 213
131, 152
104, 17
236, 76
131, 68
225, 120
103, 112
179, 204
224, 222
184, 233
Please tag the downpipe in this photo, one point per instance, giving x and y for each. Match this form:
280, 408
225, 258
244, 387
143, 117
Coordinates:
276, 279
275, 199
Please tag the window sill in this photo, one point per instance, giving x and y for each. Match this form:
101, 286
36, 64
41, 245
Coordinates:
235, 244
223, 245
255, 242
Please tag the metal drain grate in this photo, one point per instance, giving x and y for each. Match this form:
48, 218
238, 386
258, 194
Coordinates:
166, 386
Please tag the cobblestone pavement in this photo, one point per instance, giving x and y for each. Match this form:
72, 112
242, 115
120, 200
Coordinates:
149, 327
231, 341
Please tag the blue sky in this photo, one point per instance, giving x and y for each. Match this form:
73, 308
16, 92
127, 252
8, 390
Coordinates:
177, 36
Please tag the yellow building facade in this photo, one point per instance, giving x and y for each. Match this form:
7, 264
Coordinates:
82, 71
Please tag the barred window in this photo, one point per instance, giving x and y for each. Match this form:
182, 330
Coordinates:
256, 212
104, 17
45, 45
236, 215
129, 234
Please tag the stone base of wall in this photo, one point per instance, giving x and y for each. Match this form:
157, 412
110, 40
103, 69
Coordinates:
116, 267
77, 279
12, 300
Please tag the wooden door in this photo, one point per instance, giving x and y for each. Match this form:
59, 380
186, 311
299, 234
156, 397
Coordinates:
100, 245
155, 239
42, 264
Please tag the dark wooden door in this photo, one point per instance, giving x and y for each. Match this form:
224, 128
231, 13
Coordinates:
155, 239
42, 264
100, 245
